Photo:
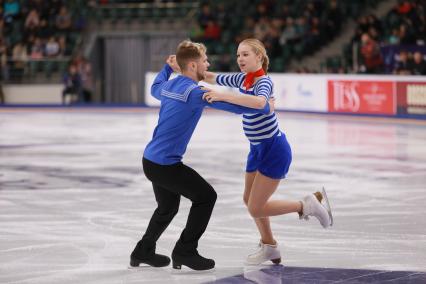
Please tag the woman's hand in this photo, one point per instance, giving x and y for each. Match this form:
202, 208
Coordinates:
171, 60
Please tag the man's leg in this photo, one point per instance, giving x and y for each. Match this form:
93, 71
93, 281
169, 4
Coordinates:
203, 197
168, 205
182, 180
144, 252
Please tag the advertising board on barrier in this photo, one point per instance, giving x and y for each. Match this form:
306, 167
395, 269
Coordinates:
362, 97
411, 97
292, 92
300, 92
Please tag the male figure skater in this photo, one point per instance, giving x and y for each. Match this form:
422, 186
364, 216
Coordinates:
181, 107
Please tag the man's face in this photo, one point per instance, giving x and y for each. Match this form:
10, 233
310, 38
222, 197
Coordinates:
202, 66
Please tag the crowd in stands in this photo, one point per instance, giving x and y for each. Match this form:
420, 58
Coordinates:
395, 44
291, 30
35, 30
296, 28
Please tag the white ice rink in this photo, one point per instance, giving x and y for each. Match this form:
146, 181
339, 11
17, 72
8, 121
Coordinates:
74, 200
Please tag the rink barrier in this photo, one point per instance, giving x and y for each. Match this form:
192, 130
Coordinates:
360, 95
375, 95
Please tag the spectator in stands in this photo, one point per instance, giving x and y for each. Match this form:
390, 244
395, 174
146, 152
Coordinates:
402, 64
375, 23
333, 19
1, 93
223, 16
19, 57
3, 60
371, 58
11, 10
404, 7
225, 62
196, 32
261, 28
394, 37
205, 16
405, 35
52, 48
212, 31
32, 21
37, 49
261, 12
44, 31
289, 35
247, 30
272, 42
417, 65
85, 70
53, 10
283, 11
63, 20
72, 85
63, 49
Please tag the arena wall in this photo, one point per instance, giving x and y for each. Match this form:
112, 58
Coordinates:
33, 94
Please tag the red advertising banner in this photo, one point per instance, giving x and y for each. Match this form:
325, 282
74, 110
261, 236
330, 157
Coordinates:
363, 97
411, 97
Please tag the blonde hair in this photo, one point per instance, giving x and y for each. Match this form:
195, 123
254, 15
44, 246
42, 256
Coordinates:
187, 51
258, 48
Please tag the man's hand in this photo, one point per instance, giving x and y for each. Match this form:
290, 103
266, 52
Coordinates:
171, 60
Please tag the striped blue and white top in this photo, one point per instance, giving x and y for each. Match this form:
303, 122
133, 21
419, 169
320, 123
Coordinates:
257, 127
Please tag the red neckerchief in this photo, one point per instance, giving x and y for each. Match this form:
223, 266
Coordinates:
249, 80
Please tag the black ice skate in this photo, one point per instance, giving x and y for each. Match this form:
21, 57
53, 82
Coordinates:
145, 254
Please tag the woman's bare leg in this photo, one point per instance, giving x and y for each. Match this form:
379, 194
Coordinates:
263, 224
262, 189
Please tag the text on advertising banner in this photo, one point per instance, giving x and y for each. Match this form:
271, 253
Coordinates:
363, 97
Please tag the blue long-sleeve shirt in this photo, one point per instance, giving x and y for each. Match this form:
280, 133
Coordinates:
181, 107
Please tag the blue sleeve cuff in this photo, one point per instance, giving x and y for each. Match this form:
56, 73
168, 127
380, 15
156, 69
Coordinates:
168, 68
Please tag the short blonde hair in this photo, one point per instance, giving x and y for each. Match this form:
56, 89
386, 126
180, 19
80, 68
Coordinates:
187, 51
258, 48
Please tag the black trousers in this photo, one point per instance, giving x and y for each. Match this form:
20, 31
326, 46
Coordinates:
170, 182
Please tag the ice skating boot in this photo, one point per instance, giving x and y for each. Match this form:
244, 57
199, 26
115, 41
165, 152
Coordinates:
264, 253
144, 253
313, 206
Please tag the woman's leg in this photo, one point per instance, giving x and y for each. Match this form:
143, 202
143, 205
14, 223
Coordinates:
262, 189
263, 224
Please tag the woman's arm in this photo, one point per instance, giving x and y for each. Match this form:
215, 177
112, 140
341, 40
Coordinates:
210, 78
257, 102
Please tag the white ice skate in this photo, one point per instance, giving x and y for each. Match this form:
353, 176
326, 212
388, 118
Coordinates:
264, 253
312, 206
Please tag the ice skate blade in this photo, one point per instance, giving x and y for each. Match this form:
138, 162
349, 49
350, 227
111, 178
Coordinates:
274, 261
182, 269
327, 206
142, 266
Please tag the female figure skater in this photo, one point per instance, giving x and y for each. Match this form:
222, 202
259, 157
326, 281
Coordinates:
270, 156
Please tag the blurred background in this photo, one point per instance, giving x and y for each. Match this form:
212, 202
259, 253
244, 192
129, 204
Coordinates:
58, 52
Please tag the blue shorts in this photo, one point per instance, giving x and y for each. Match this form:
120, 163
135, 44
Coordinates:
272, 157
